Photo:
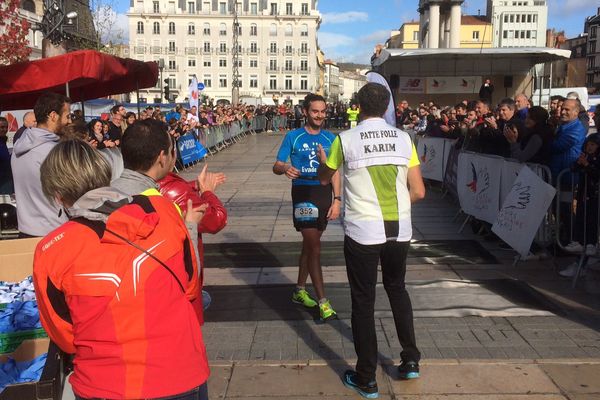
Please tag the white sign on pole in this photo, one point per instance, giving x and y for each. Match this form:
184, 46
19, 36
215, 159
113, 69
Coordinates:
478, 185
523, 210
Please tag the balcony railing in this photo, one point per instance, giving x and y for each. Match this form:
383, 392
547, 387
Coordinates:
253, 51
191, 51
272, 70
139, 50
156, 50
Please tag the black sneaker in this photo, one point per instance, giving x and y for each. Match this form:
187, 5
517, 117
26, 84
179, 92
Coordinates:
368, 391
408, 370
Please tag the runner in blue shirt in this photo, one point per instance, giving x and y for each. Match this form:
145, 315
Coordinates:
313, 203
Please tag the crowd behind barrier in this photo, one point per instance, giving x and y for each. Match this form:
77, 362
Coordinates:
502, 165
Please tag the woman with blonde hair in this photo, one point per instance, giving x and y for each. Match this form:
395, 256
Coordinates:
133, 331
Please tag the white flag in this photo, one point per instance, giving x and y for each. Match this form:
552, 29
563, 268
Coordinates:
193, 96
523, 210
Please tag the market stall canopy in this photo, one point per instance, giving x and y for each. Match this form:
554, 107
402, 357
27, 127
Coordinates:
89, 75
464, 62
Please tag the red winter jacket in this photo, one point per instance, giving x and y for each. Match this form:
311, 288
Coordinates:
178, 190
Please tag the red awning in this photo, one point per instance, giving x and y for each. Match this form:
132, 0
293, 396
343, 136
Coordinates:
90, 75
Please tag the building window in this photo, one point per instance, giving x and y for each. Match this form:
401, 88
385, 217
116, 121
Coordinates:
304, 9
303, 83
272, 65
253, 47
171, 28
303, 65
534, 18
505, 18
206, 47
222, 30
304, 48
207, 63
415, 36
288, 48
592, 47
528, 34
254, 9
191, 7
156, 28
273, 48
222, 47
253, 63
529, 18
140, 27
207, 81
593, 32
253, 30
476, 35
156, 7
511, 34
191, 29
288, 30
273, 30
206, 29
304, 30
172, 47
518, 18
512, 18
239, 63
222, 62
289, 9
191, 62
253, 81
288, 83
172, 82
222, 8
288, 65
505, 35
272, 83
222, 81
172, 65
273, 8
591, 62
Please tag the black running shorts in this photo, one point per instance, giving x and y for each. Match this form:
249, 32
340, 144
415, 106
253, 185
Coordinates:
311, 204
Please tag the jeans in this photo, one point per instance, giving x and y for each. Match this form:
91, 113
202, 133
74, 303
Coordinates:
361, 266
199, 393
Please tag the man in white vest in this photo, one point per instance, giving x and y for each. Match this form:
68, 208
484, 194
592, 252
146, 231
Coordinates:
382, 178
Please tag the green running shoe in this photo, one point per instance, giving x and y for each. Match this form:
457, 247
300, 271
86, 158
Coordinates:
326, 311
302, 297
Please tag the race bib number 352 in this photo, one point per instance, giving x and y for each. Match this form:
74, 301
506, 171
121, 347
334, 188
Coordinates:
306, 212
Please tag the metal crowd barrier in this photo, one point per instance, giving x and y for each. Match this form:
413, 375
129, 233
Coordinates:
576, 221
279, 122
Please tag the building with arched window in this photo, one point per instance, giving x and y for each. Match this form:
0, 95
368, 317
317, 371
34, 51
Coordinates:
277, 46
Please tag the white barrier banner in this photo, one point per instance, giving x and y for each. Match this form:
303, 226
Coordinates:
478, 185
523, 211
510, 171
433, 156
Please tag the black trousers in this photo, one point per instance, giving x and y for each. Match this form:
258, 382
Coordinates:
361, 266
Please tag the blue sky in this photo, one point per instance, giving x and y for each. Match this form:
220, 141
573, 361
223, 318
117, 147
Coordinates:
351, 28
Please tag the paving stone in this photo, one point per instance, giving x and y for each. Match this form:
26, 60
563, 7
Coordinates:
575, 378
477, 379
218, 381
284, 381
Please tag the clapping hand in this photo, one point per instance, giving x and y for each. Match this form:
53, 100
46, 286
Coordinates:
208, 181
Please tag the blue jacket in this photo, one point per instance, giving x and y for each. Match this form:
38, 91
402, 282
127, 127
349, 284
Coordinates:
567, 146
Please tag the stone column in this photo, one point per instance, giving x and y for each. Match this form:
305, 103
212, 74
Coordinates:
434, 26
455, 15
443, 26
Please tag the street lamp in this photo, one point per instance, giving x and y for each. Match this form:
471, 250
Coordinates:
55, 26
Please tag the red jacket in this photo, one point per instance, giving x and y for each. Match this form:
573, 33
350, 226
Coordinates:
132, 328
178, 190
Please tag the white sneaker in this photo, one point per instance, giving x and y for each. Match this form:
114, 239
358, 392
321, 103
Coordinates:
590, 250
570, 271
574, 247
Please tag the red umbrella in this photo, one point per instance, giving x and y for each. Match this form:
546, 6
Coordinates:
89, 75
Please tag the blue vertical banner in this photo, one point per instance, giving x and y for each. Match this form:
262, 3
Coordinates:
190, 150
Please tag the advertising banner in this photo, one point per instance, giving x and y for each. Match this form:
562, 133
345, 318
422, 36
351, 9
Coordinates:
478, 185
189, 149
411, 85
453, 84
433, 156
523, 210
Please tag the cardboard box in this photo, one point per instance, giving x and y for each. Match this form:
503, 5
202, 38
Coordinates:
16, 263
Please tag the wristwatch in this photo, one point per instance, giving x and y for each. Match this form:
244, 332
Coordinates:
337, 198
